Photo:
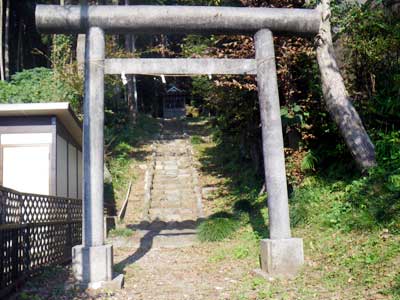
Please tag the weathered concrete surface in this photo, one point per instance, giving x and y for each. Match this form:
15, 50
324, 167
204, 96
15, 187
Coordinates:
93, 140
166, 19
93, 261
92, 265
282, 257
180, 66
272, 137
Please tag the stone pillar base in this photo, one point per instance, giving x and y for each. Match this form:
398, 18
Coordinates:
283, 257
93, 265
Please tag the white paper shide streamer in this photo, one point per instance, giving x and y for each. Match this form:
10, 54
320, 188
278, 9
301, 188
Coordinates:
123, 78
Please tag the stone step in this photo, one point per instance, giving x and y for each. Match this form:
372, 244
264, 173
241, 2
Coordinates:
172, 214
161, 203
161, 190
172, 218
179, 182
165, 160
175, 151
162, 177
171, 211
157, 238
173, 195
169, 156
164, 174
174, 238
171, 187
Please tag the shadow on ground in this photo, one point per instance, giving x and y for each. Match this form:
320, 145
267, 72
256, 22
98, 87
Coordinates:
151, 231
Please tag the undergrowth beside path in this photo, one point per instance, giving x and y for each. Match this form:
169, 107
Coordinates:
349, 223
126, 148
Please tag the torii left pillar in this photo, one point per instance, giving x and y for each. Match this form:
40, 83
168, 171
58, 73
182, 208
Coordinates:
93, 260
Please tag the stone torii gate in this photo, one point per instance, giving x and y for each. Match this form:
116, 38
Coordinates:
281, 254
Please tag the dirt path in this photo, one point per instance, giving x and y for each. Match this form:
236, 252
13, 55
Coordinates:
164, 259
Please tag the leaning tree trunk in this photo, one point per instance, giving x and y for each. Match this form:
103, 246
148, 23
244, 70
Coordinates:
337, 101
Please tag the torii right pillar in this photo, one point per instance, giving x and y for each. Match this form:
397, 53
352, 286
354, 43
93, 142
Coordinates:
281, 255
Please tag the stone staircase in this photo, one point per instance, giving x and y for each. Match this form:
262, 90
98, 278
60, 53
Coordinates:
174, 206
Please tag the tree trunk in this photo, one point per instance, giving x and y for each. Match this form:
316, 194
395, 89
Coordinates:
135, 94
1, 42
7, 42
80, 53
80, 47
20, 47
337, 101
131, 85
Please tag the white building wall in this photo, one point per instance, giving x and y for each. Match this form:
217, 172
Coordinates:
72, 172
80, 172
62, 167
26, 162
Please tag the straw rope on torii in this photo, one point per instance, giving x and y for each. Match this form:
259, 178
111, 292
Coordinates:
280, 254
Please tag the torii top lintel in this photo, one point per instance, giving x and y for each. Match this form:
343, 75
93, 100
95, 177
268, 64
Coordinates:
180, 19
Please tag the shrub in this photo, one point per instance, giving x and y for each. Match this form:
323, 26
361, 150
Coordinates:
37, 85
196, 140
242, 206
217, 227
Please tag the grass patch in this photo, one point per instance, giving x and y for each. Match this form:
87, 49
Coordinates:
121, 232
217, 228
349, 224
196, 140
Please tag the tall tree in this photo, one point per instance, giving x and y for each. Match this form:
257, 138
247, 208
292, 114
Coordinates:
1, 41
80, 46
20, 46
337, 101
131, 89
7, 42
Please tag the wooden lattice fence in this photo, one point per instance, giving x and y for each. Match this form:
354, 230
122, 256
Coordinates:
35, 231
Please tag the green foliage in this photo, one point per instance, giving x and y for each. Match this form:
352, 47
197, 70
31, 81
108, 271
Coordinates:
355, 202
36, 85
120, 141
195, 139
61, 50
241, 252
217, 227
395, 290
309, 161
346, 245
242, 206
202, 90
371, 37
196, 45
121, 232
388, 149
